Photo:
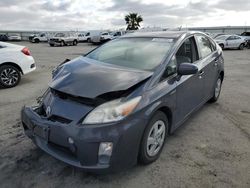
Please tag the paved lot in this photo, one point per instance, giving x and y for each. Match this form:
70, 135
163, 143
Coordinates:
212, 149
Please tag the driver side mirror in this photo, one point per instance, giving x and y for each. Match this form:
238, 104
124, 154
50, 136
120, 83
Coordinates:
187, 69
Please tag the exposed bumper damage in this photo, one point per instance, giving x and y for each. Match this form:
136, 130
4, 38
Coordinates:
53, 137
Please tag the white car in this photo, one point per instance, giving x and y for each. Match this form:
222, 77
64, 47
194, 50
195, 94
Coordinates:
231, 41
15, 37
106, 36
15, 60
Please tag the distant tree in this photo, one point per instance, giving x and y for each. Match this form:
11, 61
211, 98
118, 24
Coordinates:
133, 21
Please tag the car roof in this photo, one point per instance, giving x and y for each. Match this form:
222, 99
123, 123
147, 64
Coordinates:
164, 34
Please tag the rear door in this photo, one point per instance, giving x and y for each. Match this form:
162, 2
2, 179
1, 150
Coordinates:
238, 41
209, 58
190, 88
230, 42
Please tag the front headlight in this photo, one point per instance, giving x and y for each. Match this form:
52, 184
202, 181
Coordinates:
111, 111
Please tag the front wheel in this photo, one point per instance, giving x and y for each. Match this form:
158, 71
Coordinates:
222, 46
153, 138
241, 47
217, 90
9, 76
74, 42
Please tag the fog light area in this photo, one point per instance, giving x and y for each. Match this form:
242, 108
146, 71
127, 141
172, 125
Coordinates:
105, 152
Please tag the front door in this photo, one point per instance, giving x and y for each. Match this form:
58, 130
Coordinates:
190, 88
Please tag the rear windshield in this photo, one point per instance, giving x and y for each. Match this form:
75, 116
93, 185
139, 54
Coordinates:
139, 53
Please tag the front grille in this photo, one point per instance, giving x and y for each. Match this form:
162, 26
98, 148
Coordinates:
54, 118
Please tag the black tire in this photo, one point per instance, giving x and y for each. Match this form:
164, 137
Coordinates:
222, 46
62, 43
9, 73
37, 40
75, 43
144, 157
241, 47
216, 95
52, 45
88, 40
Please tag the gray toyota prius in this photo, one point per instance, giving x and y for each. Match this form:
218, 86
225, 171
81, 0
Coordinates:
115, 106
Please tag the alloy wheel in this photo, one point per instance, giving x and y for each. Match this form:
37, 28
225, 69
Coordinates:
217, 88
9, 76
156, 138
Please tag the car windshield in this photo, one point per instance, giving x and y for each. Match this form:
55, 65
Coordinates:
222, 37
139, 53
59, 35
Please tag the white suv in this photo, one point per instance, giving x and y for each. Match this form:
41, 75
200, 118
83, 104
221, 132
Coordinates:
63, 39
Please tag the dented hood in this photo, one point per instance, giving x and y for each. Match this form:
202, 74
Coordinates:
89, 78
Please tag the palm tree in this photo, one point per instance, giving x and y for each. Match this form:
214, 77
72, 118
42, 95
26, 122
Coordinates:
133, 21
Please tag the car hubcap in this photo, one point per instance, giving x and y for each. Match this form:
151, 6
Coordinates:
9, 76
217, 88
156, 138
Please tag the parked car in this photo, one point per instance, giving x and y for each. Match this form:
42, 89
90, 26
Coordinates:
231, 41
84, 37
3, 37
42, 37
246, 36
14, 37
118, 34
63, 39
117, 104
106, 36
15, 60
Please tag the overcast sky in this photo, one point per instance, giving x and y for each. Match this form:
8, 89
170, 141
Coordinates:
109, 14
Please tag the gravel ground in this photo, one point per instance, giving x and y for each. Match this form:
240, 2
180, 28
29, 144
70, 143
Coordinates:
211, 149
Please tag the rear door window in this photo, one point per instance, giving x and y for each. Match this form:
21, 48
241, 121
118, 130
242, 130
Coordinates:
204, 45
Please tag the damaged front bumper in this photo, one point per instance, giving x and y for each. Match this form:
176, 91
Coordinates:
78, 145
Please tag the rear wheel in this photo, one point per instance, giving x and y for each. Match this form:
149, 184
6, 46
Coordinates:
88, 40
52, 45
9, 76
217, 90
153, 138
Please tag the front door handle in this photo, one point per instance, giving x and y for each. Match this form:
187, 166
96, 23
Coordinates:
201, 73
